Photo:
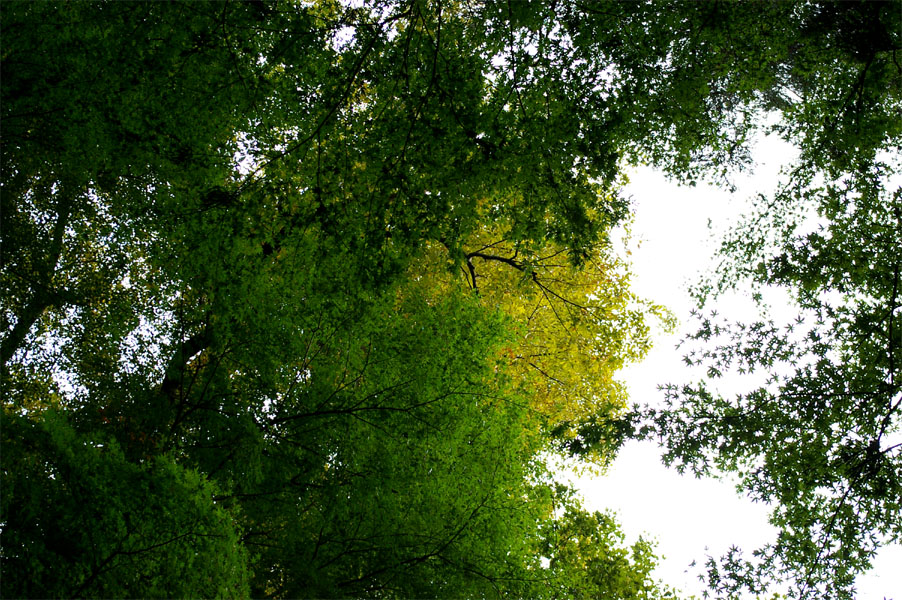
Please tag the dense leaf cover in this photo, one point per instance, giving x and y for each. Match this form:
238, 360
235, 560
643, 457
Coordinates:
297, 296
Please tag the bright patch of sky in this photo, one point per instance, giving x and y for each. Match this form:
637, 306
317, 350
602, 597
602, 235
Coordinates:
673, 243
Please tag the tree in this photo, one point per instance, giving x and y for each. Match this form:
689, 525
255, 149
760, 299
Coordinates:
223, 226
81, 520
587, 559
577, 324
819, 437
816, 434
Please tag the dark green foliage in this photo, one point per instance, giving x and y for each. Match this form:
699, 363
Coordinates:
79, 520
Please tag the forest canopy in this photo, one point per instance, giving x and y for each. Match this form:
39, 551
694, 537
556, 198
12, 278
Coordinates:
300, 297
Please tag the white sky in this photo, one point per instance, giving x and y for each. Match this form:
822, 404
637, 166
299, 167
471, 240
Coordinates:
691, 518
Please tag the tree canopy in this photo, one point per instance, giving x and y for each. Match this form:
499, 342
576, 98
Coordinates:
817, 432
299, 296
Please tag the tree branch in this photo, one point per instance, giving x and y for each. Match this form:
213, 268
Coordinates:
175, 370
42, 296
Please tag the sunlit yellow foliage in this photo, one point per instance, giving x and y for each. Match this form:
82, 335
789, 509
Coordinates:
577, 325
